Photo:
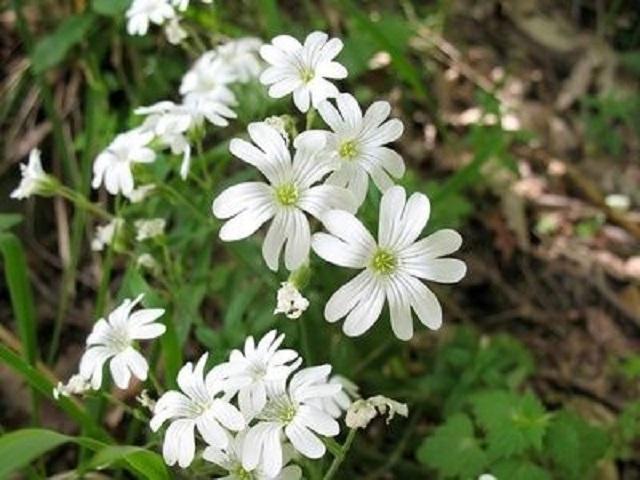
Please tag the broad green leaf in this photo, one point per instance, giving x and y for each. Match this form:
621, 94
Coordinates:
15, 271
53, 48
19, 448
513, 423
9, 220
575, 446
453, 450
111, 8
519, 469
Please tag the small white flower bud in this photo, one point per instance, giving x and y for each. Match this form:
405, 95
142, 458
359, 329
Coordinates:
361, 412
76, 385
151, 228
290, 301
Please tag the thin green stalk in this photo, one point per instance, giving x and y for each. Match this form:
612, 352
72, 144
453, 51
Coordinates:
84, 203
182, 199
339, 457
304, 340
311, 115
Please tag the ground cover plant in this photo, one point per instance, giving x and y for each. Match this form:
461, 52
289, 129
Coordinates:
320, 240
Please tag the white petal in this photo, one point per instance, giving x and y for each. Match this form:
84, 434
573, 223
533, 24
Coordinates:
211, 430
246, 223
441, 270
240, 197
298, 242
319, 421
274, 240
350, 110
338, 252
284, 87
330, 115
304, 441
348, 228
319, 199
228, 415
136, 363
425, 304
179, 443
365, 314
389, 131
391, 207
438, 244
399, 310
302, 99
347, 296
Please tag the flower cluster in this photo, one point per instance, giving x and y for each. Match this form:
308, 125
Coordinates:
206, 97
327, 177
253, 411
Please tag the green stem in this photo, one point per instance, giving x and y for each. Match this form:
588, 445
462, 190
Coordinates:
81, 201
311, 115
182, 199
339, 458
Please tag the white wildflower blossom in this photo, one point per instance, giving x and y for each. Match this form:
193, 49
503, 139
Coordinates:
290, 192
210, 75
114, 339
105, 234
290, 410
201, 404
302, 69
391, 267
362, 411
242, 56
357, 142
76, 385
230, 459
143, 12
251, 372
182, 5
34, 179
113, 166
174, 31
149, 228
146, 401
290, 301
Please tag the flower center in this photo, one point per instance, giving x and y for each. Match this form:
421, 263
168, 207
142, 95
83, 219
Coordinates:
119, 340
383, 262
279, 409
348, 150
307, 74
241, 474
287, 194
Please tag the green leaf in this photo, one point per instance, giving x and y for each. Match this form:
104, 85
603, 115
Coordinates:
9, 220
575, 446
454, 450
19, 448
513, 423
520, 470
15, 270
148, 464
52, 49
110, 8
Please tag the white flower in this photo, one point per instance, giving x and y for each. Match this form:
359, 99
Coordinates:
230, 459
290, 410
290, 301
251, 372
392, 266
105, 234
143, 12
341, 401
361, 412
241, 55
215, 107
34, 179
76, 385
140, 193
487, 476
302, 69
151, 228
289, 193
357, 143
114, 339
174, 31
200, 406
182, 5
113, 165
209, 75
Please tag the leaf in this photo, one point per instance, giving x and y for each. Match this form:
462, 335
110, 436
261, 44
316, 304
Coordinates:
9, 220
513, 423
110, 8
519, 469
575, 446
15, 271
454, 450
19, 448
52, 49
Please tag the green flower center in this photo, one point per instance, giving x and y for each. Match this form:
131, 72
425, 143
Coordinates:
348, 150
280, 409
287, 194
383, 262
306, 74
241, 474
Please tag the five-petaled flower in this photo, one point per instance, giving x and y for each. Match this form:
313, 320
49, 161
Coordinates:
302, 69
391, 267
201, 404
34, 179
113, 339
291, 191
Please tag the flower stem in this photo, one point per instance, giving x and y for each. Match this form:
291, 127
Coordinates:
83, 202
311, 114
339, 457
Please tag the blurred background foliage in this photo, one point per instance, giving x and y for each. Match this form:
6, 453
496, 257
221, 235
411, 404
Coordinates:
521, 123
